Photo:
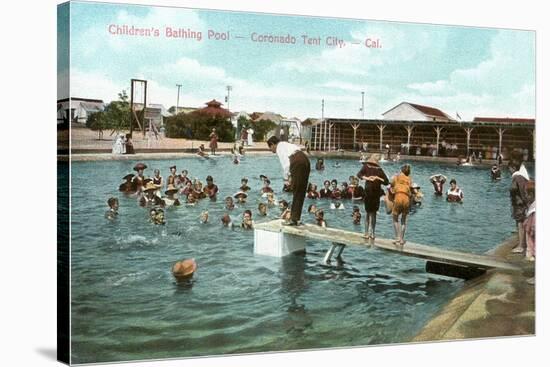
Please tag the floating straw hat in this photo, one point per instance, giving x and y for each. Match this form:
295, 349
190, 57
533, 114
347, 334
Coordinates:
184, 269
171, 189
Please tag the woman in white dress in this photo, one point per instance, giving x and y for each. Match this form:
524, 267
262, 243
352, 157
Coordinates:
118, 145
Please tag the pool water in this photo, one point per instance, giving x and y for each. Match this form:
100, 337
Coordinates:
126, 305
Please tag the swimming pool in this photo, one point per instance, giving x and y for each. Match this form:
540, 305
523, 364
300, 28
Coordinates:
126, 305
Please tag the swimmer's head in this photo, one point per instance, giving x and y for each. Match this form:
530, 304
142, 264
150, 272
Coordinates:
113, 203
406, 169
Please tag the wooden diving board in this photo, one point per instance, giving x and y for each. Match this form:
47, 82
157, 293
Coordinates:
431, 253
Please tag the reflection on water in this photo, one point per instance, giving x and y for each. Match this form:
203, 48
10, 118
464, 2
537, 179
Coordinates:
126, 304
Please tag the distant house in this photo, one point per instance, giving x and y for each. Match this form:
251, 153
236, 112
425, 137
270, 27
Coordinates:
172, 110
307, 126
272, 116
294, 127
154, 113
415, 112
214, 108
76, 110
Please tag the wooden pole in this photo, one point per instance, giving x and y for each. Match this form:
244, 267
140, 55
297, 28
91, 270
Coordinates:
409, 129
438, 130
500, 132
468, 134
381, 129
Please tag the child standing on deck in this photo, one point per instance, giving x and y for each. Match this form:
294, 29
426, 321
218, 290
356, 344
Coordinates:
401, 185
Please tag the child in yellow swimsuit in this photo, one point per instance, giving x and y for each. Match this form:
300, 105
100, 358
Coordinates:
401, 185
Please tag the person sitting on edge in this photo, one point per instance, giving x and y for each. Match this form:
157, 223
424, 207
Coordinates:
226, 221
241, 197
244, 185
401, 186
312, 192
454, 194
438, 181
285, 211
201, 151
112, 213
320, 164
128, 186
320, 218
204, 217
229, 204
211, 189
336, 194
262, 209
170, 199
266, 187
149, 198
495, 173
172, 178
325, 192
356, 215
247, 222
312, 209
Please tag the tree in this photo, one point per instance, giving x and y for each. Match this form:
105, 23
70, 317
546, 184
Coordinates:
198, 126
116, 116
261, 128
96, 122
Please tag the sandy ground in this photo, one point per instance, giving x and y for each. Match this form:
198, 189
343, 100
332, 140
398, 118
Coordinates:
84, 139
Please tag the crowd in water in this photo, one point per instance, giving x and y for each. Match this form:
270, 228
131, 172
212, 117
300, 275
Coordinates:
400, 195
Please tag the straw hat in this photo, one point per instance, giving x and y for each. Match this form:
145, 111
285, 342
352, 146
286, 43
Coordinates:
139, 166
171, 189
150, 186
240, 193
374, 158
128, 176
184, 269
263, 177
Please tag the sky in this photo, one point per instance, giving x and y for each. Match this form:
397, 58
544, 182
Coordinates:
464, 70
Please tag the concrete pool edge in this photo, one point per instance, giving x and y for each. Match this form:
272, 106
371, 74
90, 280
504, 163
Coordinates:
170, 154
496, 304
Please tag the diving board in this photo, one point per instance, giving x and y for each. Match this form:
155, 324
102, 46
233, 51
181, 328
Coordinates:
270, 238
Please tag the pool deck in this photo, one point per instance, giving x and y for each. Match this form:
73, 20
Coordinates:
499, 303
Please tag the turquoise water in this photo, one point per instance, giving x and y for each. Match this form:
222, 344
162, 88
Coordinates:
126, 305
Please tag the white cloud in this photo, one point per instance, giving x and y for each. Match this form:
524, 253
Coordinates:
399, 45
